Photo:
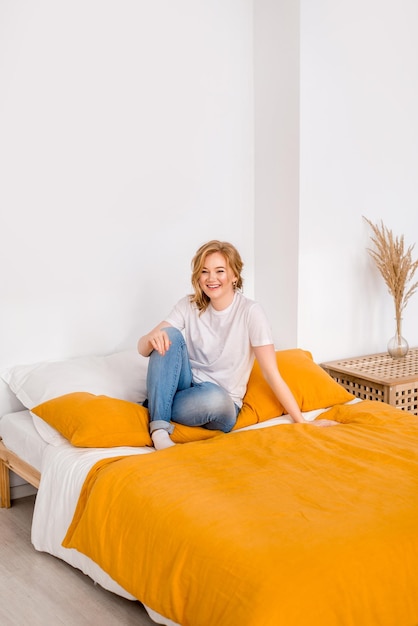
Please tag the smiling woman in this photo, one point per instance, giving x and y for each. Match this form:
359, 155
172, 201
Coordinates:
217, 281
202, 353
217, 267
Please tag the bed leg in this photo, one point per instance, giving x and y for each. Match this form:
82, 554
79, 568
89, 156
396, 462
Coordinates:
4, 486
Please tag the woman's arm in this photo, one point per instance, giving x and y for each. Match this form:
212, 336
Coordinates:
266, 357
156, 339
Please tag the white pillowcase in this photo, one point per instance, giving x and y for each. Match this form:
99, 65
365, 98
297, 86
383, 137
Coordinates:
47, 432
121, 375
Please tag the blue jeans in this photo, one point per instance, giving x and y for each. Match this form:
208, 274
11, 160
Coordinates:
173, 396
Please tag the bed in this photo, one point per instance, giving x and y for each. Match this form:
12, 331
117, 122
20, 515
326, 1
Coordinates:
274, 523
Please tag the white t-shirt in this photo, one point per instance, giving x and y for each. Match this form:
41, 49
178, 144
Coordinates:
220, 343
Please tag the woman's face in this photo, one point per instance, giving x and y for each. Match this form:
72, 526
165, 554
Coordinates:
217, 280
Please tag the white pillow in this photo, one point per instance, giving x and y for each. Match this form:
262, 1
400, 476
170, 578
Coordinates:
121, 375
47, 432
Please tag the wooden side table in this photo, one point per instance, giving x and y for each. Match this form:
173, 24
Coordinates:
380, 377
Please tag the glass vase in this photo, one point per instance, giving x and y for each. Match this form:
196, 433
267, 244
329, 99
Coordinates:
398, 345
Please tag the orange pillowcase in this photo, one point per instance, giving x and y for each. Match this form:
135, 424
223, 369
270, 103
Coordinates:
312, 387
93, 421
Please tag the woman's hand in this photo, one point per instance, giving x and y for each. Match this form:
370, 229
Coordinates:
159, 341
324, 423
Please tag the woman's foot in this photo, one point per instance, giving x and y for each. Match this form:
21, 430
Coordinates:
161, 439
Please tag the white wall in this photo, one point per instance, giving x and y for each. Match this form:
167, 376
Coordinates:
358, 156
336, 96
276, 63
126, 141
129, 136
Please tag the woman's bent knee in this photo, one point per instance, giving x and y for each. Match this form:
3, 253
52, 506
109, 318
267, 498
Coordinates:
176, 341
174, 334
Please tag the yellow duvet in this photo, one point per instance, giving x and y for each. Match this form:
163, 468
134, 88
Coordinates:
290, 525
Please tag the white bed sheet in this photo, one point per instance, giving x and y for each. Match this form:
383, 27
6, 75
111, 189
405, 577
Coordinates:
21, 437
64, 469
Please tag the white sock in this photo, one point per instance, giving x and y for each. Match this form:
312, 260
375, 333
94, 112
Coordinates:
161, 439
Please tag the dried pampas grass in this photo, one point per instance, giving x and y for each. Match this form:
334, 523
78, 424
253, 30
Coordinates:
395, 264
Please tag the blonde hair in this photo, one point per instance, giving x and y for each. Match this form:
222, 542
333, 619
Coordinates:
232, 258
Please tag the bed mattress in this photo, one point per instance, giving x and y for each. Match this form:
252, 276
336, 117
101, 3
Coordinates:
21, 437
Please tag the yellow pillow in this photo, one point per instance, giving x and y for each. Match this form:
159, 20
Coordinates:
184, 434
90, 421
93, 421
312, 387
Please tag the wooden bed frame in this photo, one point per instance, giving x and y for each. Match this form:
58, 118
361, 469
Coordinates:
10, 461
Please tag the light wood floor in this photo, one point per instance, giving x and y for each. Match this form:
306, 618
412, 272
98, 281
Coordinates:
36, 589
